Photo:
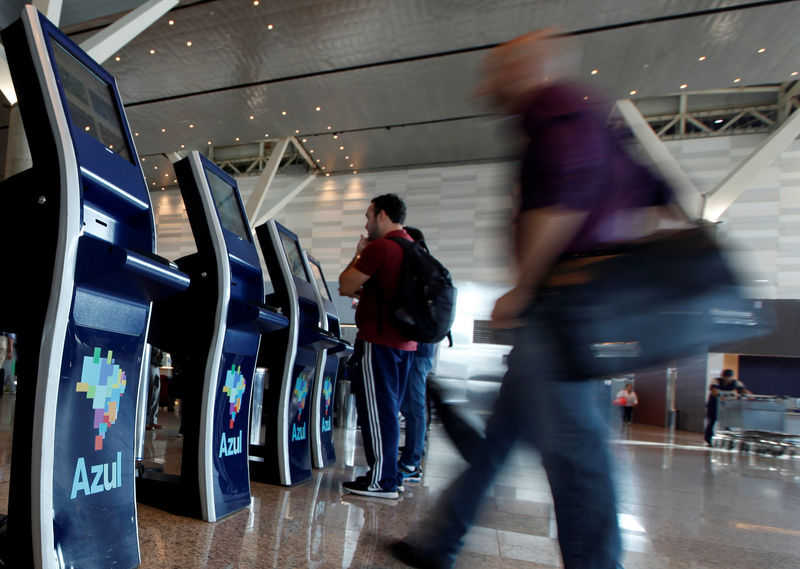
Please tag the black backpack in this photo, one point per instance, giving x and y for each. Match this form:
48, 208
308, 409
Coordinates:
425, 303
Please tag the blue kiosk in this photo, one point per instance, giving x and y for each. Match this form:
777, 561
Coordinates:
84, 241
322, 449
291, 358
213, 329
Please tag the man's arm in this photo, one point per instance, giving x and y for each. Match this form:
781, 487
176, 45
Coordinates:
542, 235
351, 280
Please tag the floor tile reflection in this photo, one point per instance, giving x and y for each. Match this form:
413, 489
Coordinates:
681, 506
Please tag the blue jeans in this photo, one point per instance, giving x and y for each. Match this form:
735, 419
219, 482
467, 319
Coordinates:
563, 421
413, 409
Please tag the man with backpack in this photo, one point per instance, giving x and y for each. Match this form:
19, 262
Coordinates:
385, 352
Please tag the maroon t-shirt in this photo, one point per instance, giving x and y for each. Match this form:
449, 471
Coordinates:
382, 260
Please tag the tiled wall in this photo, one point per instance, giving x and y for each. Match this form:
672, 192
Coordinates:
465, 210
764, 222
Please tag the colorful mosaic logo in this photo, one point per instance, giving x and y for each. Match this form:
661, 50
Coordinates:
104, 383
301, 394
234, 388
327, 391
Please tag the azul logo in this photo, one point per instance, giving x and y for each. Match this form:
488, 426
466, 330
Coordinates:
234, 388
104, 477
327, 391
229, 446
300, 394
104, 383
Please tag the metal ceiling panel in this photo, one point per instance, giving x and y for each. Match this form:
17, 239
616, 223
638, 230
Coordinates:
373, 66
232, 45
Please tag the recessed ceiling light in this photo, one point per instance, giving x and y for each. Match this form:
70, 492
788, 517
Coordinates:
111, 146
163, 130
341, 148
266, 135
318, 109
355, 171
174, 181
270, 27
152, 52
737, 80
237, 139
586, 98
163, 188
188, 44
684, 85
305, 140
329, 127
154, 183
595, 71
256, 2
718, 121
135, 134
323, 167
191, 125
351, 165
762, 50
166, 174
283, 113
311, 151
209, 142
171, 22
87, 128
117, 58
144, 159
297, 131
335, 136
793, 73
252, 117
317, 160
701, 58
155, 167
347, 158
633, 91
183, 146
327, 173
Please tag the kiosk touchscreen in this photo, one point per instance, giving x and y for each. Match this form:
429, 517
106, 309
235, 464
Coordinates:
213, 329
322, 450
285, 456
84, 242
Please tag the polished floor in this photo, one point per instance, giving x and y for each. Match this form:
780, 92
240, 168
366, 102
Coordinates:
682, 506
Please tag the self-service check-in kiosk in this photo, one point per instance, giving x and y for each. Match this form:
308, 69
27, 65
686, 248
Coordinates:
84, 241
283, 456
322, 449
215, 326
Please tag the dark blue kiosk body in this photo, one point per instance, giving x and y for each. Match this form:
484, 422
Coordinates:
213, 331
284, 456
84, 244
322, 450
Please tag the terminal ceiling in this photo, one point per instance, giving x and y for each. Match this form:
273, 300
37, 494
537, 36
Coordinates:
393, 78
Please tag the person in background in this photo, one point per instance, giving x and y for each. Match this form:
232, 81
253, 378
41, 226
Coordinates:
154, 389
385, 353
629, 400
579, 192
724, 386
414, 407
6, 354
728, 385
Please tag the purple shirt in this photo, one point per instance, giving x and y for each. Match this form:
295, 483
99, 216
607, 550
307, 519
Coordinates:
574, 160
